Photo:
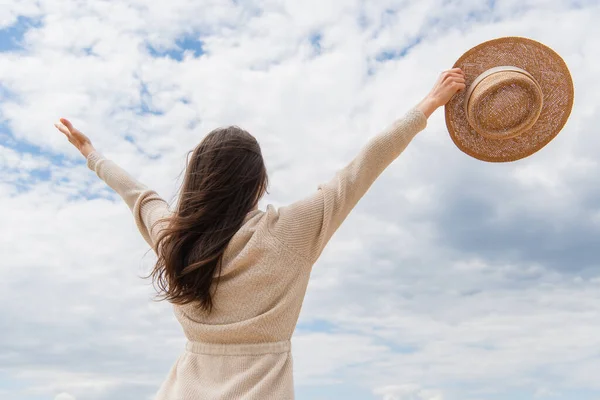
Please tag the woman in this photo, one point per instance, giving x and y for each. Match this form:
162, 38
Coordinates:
235, 274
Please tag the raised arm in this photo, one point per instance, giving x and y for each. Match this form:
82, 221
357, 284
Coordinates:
146, 205
307, 225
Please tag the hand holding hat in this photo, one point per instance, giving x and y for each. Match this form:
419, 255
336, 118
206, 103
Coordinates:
448, 84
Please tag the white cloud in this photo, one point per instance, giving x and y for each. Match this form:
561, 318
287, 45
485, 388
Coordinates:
544, 393
64, 396
11, 159
434, 279
11, 11
408, 392
318, 356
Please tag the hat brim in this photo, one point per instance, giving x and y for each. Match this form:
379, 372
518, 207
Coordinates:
548, 69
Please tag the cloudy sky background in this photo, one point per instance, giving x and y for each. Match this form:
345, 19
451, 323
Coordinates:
452, 280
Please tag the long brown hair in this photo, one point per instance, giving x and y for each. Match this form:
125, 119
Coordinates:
224, 179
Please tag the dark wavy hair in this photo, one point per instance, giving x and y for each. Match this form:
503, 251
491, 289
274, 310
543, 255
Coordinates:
224, 180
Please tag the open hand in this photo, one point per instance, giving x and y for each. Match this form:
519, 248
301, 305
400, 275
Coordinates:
77, 139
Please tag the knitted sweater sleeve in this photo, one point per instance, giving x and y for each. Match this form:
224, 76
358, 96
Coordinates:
146, 205
307, 225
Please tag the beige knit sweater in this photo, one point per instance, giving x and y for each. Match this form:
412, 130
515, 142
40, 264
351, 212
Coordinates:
242, 349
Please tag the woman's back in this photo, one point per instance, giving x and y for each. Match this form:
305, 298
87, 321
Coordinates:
240, 347
259, 292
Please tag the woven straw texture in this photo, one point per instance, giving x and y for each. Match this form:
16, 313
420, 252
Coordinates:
510, 115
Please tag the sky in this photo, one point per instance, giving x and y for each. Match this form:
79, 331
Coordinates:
453, 279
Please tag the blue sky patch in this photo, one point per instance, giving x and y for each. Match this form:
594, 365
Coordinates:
317, 325
315, 41
399, 53
11, 38
182, 45
146, 101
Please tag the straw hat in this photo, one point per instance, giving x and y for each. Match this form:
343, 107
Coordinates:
518, 97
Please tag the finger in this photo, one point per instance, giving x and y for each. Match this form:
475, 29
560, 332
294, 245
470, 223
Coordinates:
457, 71
450, 83
459, 86
457, 79
453, 71
454, 75
68, 124
63, 129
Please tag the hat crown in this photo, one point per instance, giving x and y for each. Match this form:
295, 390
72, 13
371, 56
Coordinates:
503, 102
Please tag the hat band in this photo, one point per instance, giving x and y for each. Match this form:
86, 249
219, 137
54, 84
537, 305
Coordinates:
491, 71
